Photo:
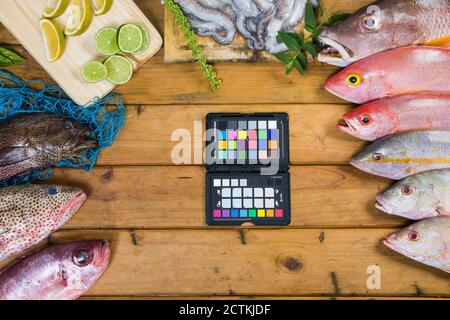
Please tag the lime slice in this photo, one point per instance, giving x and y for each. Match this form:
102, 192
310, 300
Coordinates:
94, 71
80, 18
119, 69
145, 40
106, 41
102, 6
130, 38
55, 8
53, 39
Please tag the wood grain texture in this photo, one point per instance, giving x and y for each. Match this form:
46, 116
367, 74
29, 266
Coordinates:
22, 19
256, 262
149, 135
173, 197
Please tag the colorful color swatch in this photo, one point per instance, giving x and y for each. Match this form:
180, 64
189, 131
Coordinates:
247, 142
249, 197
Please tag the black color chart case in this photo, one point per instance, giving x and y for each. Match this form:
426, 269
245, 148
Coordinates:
247, 162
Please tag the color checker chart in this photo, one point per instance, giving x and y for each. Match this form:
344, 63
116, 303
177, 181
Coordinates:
238, 190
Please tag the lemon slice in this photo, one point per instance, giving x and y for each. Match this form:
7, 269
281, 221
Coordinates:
80, 18
102, 6
53, 39
55, 8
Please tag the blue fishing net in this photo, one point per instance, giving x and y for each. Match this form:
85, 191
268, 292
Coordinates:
104, 117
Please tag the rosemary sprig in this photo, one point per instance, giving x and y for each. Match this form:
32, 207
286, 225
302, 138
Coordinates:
300, 46
191, 38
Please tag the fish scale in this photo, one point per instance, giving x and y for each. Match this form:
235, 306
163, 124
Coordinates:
28, 214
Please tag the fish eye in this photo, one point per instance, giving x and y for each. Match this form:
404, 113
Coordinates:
369, 23
82, 258
413, 236
52, 191
365, 120
68, 125
353, 79
378, 157
407, 190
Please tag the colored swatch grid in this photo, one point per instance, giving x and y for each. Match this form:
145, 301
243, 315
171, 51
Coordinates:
248, 141
239, 200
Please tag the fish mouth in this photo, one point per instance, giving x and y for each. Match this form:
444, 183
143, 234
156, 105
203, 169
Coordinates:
382, 205
73, 206
104, 254
345, 126
337, 54
359, 165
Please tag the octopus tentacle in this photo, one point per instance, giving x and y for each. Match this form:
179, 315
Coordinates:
192, 7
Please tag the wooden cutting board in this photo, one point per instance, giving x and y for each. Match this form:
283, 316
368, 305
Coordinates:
21, 17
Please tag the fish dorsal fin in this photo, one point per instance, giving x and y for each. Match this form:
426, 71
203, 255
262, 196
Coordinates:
13, 155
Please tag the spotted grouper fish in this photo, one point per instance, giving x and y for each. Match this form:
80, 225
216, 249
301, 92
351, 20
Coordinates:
399, 71
427, 241
28, 214
384, 25
417, 197
39, 140
387, 116
58, 272
404, 154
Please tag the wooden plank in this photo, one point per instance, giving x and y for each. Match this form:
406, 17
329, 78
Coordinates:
159, 83
147, 136
257, 262
176, 49
173, 197
22, 19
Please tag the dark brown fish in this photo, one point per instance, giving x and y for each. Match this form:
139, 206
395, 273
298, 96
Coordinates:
32, 141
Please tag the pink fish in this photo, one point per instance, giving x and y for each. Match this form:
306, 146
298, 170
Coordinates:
426, 241
58, 272
395, 72
28, 214
397, 114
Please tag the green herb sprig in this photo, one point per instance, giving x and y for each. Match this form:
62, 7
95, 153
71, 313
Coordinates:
300, 46
9, 58
191, 38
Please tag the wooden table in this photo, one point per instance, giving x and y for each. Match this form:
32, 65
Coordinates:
153, 211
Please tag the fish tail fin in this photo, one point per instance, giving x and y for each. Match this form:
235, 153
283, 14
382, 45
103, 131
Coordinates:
440, 42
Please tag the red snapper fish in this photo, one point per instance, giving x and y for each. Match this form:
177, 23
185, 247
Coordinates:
58, 272
427, 241
384, 25
28, 214
387, 116
395, 72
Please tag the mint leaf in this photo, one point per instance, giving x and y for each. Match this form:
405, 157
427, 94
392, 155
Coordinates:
9, 58
283, 57
289, 67
311, 49
310, 17
299, 67
337, 18
288, 40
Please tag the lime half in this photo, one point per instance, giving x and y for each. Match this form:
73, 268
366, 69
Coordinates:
145, 40
94, 71
130, 38
55, 8
120, 69
106, 41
